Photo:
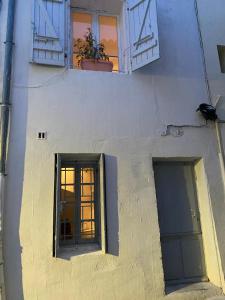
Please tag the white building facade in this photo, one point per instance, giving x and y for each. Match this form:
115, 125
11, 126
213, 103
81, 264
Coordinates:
98, 161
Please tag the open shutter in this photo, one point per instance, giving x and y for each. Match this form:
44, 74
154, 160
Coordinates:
144, 38
103, 204
56, 228
49, 32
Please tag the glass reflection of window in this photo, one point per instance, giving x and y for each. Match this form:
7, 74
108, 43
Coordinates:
109, 37
81, 23
77, 205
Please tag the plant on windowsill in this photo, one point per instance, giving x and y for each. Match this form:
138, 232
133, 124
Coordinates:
91, 55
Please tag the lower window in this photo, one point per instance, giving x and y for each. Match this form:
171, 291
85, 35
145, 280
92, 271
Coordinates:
79, 202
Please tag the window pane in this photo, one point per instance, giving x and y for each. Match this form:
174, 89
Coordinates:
87, 175
81, 23
115, 62
87, 192
67, 193
75, 61
87, 211
87, 230
108, 34
67, 175
77, 205
63, 176
67, 222
109, 37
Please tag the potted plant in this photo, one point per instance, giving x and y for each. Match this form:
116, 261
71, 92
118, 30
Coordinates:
91, 55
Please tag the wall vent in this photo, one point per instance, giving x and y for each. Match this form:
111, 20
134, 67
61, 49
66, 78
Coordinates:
42, 135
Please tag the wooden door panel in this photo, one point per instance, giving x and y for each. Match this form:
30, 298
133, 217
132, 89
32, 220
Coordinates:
179, 221
173, 268
192, 255
177, 195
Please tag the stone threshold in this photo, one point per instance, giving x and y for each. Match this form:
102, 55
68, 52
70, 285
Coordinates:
194, 291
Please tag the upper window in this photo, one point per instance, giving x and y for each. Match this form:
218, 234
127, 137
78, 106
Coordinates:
104, 29
128, 29
79, 205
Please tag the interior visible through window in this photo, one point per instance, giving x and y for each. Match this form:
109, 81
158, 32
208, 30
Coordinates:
104, 29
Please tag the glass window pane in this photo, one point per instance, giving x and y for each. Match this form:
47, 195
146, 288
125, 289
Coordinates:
67, 193
115, 62
87, 211
67, 222
108, 34
75, 61
77, 209
63, 176
81, 23
87, 230
67, 175
87, 192
87, 175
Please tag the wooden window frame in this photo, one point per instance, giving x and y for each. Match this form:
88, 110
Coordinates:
100, 241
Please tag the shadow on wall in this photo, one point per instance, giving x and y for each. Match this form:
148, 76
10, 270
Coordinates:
112, 204
13, 201
12, 249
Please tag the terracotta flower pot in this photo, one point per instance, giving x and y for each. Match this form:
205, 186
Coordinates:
96, 65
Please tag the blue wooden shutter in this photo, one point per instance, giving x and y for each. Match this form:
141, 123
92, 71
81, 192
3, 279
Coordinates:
144, 40
49, 32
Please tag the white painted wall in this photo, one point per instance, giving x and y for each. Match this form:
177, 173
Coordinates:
212, 24
124, 117
213, 32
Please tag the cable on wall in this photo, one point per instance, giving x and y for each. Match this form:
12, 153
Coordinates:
48, 82
177, 130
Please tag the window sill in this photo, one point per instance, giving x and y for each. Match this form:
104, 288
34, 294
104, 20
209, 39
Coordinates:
79, 250
193, 291
99, 72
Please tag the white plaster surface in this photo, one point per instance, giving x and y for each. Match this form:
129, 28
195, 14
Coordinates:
213, 34
122, 116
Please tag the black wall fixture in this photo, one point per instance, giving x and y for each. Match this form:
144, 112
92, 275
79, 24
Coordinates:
208, 111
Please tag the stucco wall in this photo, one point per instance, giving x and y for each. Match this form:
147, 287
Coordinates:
213, 32
212, 23
123, 116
